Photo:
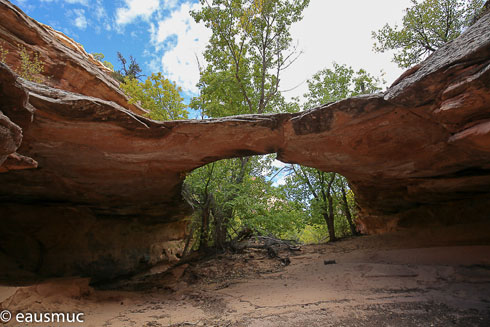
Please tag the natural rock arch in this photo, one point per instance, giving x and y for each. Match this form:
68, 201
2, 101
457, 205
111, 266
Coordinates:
105, 196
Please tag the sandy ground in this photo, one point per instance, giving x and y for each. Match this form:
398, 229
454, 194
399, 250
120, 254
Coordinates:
390, 280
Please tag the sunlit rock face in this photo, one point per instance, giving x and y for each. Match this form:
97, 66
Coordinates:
67, 65
89, 187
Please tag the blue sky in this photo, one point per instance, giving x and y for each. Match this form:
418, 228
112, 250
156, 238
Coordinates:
162, 36
109, 26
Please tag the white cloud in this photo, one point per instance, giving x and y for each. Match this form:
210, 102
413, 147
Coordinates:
100, 12
81, 2
182, 40
135, 9
80, 19
170, 4
341, 31
330, 31
101, 16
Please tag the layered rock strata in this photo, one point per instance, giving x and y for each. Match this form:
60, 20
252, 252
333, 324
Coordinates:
89, 187
66, 64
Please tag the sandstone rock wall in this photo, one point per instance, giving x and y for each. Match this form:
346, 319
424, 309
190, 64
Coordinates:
67, 65
105, 198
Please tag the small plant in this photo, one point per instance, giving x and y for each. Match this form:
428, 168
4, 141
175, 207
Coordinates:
3, 54
30, 68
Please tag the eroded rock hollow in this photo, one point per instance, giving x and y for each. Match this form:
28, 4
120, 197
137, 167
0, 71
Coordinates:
90, 187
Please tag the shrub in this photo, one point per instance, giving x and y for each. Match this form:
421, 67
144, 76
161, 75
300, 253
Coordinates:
30, 68
3, 54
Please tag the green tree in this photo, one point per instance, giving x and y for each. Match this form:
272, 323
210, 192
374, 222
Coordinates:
346, 202
100, 57
327, 201
426, 26
317, 187
262, 206
341, 82
249, 47
131, 70
158, 95
326, 195
233, 195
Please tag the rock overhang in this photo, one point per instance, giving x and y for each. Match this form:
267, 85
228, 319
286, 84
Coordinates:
417, 153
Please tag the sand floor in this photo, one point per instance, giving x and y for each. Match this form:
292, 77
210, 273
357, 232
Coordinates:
376, 280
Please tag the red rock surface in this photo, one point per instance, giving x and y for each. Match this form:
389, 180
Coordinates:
67, 65
105, 199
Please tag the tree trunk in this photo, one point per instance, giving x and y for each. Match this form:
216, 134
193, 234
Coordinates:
188, 243
330, 226
347, 212
221, 220
329, 215
223, 217
204, 224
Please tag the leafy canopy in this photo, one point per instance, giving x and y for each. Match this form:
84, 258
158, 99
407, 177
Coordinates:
341, 82
157, 95
237, 194
326, 200
326, 196
100, 57
426, 26
249, 48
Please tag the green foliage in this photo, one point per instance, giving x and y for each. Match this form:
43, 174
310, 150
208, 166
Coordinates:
30, 67
108, 65
213, 191
313, 234
317, 232
321, 195
236, 194
100, 57
131, 70
427, 26
233, 194
341, 82
328, 202
264, 208
249, 47
3, 54
158, 95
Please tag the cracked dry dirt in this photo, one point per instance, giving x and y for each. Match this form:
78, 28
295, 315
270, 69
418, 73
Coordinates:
389, 280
